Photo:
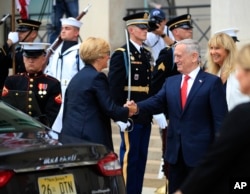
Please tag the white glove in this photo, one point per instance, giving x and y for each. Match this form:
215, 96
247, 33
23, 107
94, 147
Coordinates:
161, 120
13, 36
53, 135
123, 126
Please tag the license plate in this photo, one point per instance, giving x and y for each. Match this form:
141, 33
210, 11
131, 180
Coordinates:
61, 184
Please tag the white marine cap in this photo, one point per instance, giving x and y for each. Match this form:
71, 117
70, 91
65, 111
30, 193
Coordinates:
71, 22
231, 32
34, 49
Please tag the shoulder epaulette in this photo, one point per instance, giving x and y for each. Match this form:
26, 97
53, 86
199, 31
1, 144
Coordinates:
120, 49
168, 47
125, 57
146, 48
173, 44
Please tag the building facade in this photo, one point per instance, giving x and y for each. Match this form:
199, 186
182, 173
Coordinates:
104, 18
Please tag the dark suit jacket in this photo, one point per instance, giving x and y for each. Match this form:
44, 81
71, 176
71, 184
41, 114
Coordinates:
192, 129
228, 158
88, 108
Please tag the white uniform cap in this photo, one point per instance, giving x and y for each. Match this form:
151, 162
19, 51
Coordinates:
71, 22
34, 49
34, 45
230, 31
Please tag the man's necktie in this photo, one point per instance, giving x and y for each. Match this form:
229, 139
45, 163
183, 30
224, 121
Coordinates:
184, 91
142, 53
141, 50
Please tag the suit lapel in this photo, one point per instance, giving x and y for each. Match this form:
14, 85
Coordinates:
198, 82
175, 89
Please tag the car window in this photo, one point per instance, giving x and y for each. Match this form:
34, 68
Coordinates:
14, 120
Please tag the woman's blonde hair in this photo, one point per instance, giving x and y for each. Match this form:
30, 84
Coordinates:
243, 57
93, 48
222, 40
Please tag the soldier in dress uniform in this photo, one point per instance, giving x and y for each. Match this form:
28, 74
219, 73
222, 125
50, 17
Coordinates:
27, 31
134, 144
37, 94
181, 28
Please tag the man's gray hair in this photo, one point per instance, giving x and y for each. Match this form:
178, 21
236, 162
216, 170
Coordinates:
191, 46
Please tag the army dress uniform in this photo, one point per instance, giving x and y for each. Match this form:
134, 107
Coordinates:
140, 77
140, 88
24, 25
134, 144
165, 66
5, 63
42, 98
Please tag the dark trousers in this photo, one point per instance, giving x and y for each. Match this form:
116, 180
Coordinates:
178, 172
133, 156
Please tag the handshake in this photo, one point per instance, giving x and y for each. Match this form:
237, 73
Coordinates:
129, 125
132, 106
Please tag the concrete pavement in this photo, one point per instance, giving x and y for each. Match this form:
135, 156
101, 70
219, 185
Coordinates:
148, 190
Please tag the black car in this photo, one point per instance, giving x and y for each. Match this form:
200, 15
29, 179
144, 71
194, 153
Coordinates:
33, 163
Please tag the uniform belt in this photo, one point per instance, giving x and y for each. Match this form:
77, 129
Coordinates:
137, 89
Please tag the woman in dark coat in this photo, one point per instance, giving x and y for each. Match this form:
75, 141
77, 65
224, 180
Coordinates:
88, 106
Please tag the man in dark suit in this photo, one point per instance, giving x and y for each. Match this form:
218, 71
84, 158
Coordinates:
225, 168
192, 124
134, 144
181, 28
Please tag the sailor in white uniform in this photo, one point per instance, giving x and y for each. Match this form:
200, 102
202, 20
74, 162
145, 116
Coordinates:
65, 62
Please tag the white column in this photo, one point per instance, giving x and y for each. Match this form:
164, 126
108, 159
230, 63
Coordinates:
231, 13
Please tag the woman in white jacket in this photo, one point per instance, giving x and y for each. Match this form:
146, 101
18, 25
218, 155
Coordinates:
221, 55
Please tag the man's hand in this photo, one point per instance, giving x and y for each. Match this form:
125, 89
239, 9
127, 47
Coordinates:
159, 30
132, 106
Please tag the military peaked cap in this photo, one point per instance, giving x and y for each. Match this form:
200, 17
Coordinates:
25, 25
183, 21
139, 19
34, 49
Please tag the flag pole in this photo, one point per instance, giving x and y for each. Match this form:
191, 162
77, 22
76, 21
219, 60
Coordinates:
13, 8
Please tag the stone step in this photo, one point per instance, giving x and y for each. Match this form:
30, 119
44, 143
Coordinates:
155, 183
